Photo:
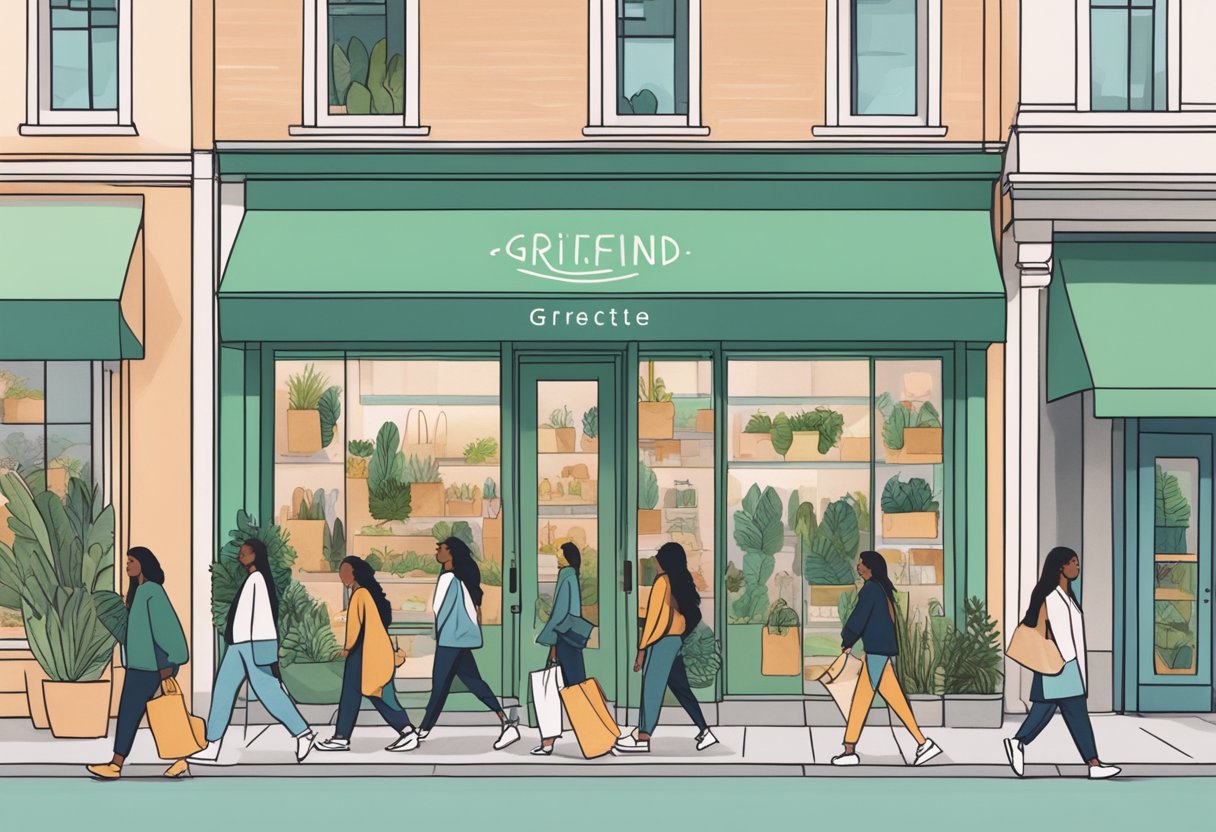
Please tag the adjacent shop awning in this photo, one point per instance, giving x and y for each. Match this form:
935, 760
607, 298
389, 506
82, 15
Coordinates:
792, 275
1133, 321
71, 279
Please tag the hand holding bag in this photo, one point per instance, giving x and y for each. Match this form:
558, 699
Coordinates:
1034, 649
841, 680
546, 698
177, 732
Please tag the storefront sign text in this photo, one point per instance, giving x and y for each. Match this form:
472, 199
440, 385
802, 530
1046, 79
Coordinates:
589, 258
542, 317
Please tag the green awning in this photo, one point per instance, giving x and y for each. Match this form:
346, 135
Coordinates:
68, 273
394, 275
1132, 321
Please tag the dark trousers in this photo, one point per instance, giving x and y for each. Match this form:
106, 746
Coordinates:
352, 697
138, 686
570, 658
664, 668
451, 662
1076, 717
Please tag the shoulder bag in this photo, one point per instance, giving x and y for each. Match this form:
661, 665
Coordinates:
1034, 648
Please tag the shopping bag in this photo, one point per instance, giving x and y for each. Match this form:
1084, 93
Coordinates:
547, 699
177, 732
841, 679
593, 725
1034, 649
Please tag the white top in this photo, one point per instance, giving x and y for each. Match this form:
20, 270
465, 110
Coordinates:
254, 619
446, 579
1068, 627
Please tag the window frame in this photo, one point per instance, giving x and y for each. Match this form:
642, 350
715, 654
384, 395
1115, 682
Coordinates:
602, 116
39, 113
316, 115
1173, 58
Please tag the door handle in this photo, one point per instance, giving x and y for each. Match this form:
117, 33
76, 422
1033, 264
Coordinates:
513, 580
627, 577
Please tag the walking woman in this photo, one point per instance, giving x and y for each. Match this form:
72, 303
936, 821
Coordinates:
567, 601
873, 620
1053, 597
154, 650
457, 635
673, 611
370, 664
252, 636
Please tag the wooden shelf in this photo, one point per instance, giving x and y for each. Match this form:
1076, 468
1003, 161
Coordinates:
1162, 557
748, 464
1173, 594
419, 401
776, 401
574, 510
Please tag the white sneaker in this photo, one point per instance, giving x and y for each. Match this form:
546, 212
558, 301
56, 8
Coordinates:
846, 760
332, 744
408, 741
509, 735
926, 752
1102, 771
706, 739
421, 734
209, 755
304, 745
1015, 752
630, 744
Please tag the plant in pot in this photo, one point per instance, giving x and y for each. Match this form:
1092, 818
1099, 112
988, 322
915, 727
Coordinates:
760, 534
650, 517
557, 435
590, 443
828, 551
971, 669
481, 451
389, 497
756, 440
464, 500
306, 528
313, 409
363, 83
702, 657
656, 410
909, 510
781, 642
491, 526
910, 433
60, 573
358, 459
807, 437
427, 494
1171, 515
20, 404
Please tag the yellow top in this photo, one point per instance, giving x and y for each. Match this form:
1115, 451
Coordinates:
662, 617
378, 665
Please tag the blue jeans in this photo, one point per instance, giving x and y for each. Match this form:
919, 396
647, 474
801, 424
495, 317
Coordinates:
664, 668
352, 697
451, 662
138, 686
1076, 717
570, 658
237, 666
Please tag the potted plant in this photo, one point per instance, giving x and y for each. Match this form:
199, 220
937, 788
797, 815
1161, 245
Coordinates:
705, 420
650, 518
910, 433
557, 436
358, 497
364, 83
313, 408
491, 526
60, 574
971, 667
1171, 515
760, 534
482, 451
656, 410
807, 437
781, 642
827, 551
590, 443
427, 494
756, 439
464, 500
702, 657
305, 526
909, 510
19, 403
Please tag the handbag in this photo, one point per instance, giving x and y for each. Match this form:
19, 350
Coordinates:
177, 732
841, 680
574, 630
1034, 649
546, 698
594, 727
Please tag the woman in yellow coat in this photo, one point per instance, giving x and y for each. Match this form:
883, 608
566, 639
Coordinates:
370, 664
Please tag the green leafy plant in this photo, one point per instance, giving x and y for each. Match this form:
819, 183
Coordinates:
972, 656
861, 507
330, 408
305, 389
73, 466
822, 420
920, 649
759, 423
333, 546
760, 534
489, 489
834, 546
367, 84
651, 389
387, 463
305, 634
465, 492
648, 487
461, 530
781, 617
486, 448
13, 386
361, 448
641, 103
425, 469
1174, 635
391, 501
591, 422
685, 494
734, 579
804, 523
897, 417
702, 656
1171, 514
560, 418
915, 495
491, 573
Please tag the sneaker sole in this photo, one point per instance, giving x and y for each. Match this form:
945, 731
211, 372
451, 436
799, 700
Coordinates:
325, 750
616, 749
927, 756
708, 745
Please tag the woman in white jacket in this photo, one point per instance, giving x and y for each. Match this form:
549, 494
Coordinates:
1053, 597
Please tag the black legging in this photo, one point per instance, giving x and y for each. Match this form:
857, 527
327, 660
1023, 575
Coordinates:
451, 662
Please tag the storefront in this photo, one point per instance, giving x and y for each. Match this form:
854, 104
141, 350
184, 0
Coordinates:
777, 360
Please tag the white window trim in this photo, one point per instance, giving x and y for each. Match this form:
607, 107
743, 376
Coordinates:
317, 120
40, 118
1173, 59
839, 112
602, 117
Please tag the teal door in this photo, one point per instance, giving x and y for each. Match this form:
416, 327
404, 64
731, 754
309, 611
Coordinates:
569, 478
1174, 573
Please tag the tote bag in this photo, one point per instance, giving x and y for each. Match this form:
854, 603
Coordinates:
547, 685
841, 680
1034, 649
177, 732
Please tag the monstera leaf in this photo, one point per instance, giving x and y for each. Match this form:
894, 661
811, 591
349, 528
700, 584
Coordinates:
330, 408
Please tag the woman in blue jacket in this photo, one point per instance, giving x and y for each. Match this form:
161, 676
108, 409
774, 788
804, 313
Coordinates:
873, 620
567, 601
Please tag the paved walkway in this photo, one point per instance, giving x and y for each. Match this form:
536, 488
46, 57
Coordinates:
1143, 746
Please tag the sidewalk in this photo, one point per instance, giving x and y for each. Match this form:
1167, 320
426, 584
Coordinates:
1144, 746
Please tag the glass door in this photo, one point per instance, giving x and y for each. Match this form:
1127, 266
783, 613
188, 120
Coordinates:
1175, 573
568, 494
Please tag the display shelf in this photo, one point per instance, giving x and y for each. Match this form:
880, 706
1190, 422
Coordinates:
433, 401
1161, 557
912, 464
574, 511
688, 435
779, 401
458, 462
320, 460
576, 454
778, 465
1173, 594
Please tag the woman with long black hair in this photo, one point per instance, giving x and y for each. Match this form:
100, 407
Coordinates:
873, 619
370, 663
1067, 690
457, 634
567, 602
252, 636
154, 649
673, 611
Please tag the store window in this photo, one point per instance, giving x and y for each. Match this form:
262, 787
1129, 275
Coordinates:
47, 412
676, 491
1127, 48
1176, 535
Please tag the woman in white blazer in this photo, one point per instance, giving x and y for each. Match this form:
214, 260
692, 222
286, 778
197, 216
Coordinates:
1067, 690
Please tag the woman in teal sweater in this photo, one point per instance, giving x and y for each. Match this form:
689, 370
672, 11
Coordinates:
567, 605
154, 650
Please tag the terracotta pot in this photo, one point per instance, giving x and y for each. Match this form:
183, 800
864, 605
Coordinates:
705, 420
358, 509
566, 439
923, 441
491, 538
463, 508
650, 521
34, 677
590, 444
78, 709
24, 411
781, 654
912, 525
307, 537
757, 446
491, 604
303, 431
828, 595
930, 557
656, 420
805, 448
665, 449
546, 440
854, 449
427, 499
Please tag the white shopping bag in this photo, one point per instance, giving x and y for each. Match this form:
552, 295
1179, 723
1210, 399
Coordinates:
546, 698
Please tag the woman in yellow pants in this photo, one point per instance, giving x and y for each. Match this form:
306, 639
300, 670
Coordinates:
873, 620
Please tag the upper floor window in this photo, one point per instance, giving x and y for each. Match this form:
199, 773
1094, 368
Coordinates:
645, 66
1127, 55
361, 65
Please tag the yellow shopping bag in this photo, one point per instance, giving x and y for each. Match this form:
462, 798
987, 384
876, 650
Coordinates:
841, 680
177, 732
